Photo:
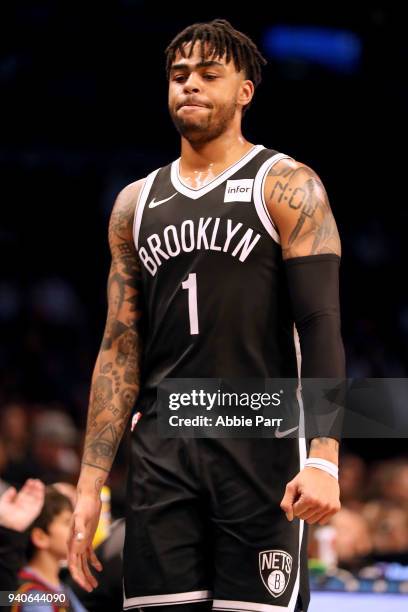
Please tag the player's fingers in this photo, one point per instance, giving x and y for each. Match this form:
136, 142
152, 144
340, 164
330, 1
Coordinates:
78, 572
313, 517
308, 514
325, 518
303, 506
319, 510
75, 568
288, 499
90, 579
94, 559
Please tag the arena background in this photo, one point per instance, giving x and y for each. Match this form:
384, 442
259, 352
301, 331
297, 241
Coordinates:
84, 112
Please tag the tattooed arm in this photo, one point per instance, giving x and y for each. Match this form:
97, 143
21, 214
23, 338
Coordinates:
298, 204
115, 383
299, 207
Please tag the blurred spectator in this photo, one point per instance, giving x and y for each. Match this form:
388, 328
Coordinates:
46, 549
16, 431
396, 487
388, 525
17, 511
54, 446
390, 481
352, 480
15, 464
42, 441
353, 540
3, 464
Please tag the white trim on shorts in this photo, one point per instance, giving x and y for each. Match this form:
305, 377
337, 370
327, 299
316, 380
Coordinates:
302, 459
259, 198
166, 600
247, 606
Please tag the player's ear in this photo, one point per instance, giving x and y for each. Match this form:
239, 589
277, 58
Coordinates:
246, 92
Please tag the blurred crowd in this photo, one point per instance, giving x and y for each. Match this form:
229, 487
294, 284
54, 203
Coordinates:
372, 525
43, 442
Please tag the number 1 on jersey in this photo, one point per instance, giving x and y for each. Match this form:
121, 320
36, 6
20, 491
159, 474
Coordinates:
191, 285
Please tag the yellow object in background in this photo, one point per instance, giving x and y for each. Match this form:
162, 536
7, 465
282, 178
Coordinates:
105, 520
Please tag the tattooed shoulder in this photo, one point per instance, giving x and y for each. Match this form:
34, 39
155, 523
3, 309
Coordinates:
121, 221
299, 206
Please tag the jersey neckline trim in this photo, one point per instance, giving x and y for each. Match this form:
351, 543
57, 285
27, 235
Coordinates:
193, 193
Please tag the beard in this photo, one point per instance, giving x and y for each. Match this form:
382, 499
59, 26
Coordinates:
200, 130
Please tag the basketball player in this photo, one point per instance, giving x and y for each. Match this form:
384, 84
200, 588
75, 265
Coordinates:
215, 257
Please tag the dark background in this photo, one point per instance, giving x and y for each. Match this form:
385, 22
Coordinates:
84, 112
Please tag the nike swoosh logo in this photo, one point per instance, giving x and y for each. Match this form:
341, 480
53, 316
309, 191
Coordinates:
283, 434
153, 203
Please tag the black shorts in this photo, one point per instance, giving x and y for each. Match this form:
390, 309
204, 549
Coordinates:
204, 522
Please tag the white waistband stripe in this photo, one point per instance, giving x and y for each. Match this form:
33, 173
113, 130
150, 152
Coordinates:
246, 606
166, 600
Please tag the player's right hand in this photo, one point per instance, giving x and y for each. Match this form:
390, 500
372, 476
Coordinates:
80, 552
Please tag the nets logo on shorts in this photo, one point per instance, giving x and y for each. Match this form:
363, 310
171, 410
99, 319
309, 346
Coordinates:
275, 567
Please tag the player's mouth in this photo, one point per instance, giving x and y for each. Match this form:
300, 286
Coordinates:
188, 108
192, 105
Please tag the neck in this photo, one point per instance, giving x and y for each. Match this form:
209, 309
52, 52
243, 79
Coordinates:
222, 151
46, 567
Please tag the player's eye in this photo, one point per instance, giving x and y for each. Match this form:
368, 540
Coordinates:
210, 77
179, 77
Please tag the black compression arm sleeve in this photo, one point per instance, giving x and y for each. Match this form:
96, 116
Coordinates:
314, 293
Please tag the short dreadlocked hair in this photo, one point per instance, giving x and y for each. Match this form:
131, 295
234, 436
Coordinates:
222, 39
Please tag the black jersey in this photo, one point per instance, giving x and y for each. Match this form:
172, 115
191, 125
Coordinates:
215, 297
203, 516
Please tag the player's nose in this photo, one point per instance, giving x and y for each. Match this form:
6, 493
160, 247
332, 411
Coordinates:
191, 84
